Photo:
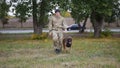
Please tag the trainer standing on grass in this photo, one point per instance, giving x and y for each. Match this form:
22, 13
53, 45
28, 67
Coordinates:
56, 27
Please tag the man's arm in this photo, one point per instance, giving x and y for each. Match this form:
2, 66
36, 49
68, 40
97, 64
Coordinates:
64, 24
50, 24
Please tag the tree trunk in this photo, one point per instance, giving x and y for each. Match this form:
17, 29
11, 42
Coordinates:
84, 24
108, 24
80, 27
43, 6
117, 23
3, 25
21, 24
97, 22
38, 21
36, 25
4, 21
34, 16
97, 29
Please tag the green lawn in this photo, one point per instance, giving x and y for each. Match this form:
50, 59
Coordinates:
85, 53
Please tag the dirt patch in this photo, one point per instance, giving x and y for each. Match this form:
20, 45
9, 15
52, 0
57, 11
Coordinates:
4, 54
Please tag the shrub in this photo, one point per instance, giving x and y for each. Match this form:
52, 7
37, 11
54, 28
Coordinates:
39, 36
106, 33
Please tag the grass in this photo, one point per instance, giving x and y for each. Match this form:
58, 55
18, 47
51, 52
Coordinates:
85, 53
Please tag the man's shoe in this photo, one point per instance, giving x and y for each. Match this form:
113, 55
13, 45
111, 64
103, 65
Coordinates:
57, 51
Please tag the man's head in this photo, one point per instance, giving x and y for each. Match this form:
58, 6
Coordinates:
57, 12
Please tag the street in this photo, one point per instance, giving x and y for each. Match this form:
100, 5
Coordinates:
4, 31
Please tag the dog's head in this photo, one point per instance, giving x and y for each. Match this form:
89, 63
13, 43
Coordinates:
69, 41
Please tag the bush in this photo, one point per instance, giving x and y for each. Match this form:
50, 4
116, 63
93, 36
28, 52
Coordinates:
42, 36
106, 33
66, 14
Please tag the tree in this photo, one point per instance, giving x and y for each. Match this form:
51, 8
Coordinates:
80, 12
22, 11
39, 9
4, 21
97, 11
39, 14
116, 13
4, 8
100, 9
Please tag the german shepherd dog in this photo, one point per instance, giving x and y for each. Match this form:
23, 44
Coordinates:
67, 43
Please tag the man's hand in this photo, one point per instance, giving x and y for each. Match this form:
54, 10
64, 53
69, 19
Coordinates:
50, 33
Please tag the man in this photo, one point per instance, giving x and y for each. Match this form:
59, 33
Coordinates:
56, 26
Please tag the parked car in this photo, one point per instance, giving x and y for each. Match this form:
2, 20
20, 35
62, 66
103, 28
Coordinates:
73, 27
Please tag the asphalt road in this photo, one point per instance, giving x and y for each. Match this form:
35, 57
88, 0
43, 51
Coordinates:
4, 31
